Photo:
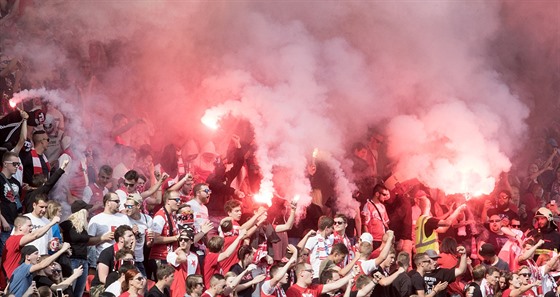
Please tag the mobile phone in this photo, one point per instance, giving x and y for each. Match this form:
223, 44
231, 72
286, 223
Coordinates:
59, 293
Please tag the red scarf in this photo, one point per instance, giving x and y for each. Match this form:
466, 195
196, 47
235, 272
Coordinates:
37, 167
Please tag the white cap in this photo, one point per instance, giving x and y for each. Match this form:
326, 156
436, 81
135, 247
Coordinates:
366, 237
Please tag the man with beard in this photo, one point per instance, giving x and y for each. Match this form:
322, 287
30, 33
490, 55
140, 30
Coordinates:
107, 221
124, 238
546, 230
424, 264
502, 208
493, 234
437, 275
38, 221
375, 215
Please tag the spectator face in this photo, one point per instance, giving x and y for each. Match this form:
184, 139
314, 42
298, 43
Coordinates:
338, 258
515, 224
199, 288
502, 282
130, 185
303, 256
169, 280
220, 286
329, 231
11, 165
362, 154
524, 276
26, 227
495, 223
335, 277
40, 208
339, 225
384, 195
515, 281
34, 258
542, 222
188, 186
174, 201
503, 199
130, 207
204, 194
128, 240
306, 275
103, 179
235, 213
113, 204
493, 278
140, 185
55, 273
138, 281
389, 261
426, 264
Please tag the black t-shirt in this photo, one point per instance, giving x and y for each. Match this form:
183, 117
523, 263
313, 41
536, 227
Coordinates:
45, 281
78, 240
106, 257
155, 292
477, 292
401, 286
381, 290
439, 275
8, 205
417, 282
247, 278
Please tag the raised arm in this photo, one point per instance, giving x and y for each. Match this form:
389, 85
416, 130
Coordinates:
233, 247
48, 261
290, 223
337, 284
22, 132
27, 238
303, 241
386, 248
282, 271
391, 278
149, 192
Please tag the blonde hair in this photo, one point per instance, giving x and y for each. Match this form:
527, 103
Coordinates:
79, 220
52, 208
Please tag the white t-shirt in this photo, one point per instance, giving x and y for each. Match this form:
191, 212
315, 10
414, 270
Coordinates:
41, 243
144, 223
101, 224
367, 266
319, 249
88, 193
200, 213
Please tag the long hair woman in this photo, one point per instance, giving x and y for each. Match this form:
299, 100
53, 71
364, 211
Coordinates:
133, 284
74, 231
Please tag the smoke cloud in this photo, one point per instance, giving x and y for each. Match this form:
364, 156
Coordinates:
440, 79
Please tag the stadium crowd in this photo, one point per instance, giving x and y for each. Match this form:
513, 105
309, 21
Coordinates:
137, 221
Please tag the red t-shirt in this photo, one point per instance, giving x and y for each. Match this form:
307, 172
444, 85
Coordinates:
11, 255
231, 260
506, 292
312, 291
447, 261
211, 267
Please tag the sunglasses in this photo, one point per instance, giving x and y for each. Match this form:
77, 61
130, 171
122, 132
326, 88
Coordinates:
176, 199
129, 184
15, 164
515, 226
338, 222
185, 239
525, 274
128, 206
494, 221
56, 271
207, 191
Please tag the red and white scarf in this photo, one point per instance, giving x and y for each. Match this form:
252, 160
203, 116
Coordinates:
37, 167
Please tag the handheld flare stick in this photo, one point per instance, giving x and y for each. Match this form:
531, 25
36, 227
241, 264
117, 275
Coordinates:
314, 155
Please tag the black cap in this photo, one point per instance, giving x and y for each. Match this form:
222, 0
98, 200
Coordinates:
79, 205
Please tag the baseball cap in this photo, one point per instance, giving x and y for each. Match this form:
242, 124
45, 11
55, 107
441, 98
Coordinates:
26, 251
366, 237
432, 254
79, 205
136, 197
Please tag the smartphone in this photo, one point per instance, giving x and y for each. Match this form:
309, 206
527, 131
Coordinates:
59, 293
